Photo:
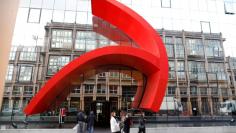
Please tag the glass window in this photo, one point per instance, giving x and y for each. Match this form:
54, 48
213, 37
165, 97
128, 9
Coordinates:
183, 91
36, 3
101, 88
224, 91
194, 47
203, 91
214, 48
61, 39
216, 71
6, 105
56, 63
89, 88
205, 27
113, 89
181, 70
193, 90
16, 104
230, 6
166, 3
179, 48
71, 5
10, 71
171, 90
48, 4
214, 91
34, 15
232, 62
114, 74
169, 44
102, 75
28, 90
7, 90
59, 4
25, 73
86, 40
172, 70
17, 90
13, 53
28, 54
197, 70
76, 90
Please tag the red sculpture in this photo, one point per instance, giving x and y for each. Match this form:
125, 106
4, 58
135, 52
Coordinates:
149, 57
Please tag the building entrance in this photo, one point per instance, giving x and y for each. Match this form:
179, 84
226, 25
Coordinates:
102, 112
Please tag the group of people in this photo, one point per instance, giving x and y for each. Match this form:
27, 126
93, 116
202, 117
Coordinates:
123, 125
120, 124
82, 119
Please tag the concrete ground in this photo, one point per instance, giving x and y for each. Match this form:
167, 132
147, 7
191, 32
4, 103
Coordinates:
220, 129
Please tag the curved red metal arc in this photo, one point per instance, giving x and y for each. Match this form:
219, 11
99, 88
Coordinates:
150, 59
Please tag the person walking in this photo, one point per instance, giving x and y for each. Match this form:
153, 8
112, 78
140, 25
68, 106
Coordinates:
142, 121
81, 120
127, 124
115, 125
91, 119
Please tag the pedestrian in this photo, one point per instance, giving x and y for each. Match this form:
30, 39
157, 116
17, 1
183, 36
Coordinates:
115, 125
91, 119
142, 121
127, 124
81, 120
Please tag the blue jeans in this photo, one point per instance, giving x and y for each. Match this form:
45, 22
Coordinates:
90, 129
80, 127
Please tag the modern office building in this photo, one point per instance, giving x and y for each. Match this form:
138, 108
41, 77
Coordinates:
200, 76
198, 34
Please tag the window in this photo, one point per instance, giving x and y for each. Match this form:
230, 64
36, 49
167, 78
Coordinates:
166, 3
61, 39
183, 91
194, 47
10, 71
230, 6
181, 70
89, 88
86, 40
28, 90
25, 73
197, 70
5, 105
214, 91
76, 89
16, 105
56, 63
17, 90
179, 48
102, 75
203, 91
114, 74
34, 15
214, 48
171, 90
232, 62
101, 88
113, 89
28, 54
193, 90
169, 46
7, 90
224, 91
205, 27
13, 53
216, 71
172, 70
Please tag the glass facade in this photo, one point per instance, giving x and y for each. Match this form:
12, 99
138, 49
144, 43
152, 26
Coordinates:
61, 39
56, 63
10, 71
25, 74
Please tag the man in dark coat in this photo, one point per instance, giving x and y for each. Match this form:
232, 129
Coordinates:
91, 119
